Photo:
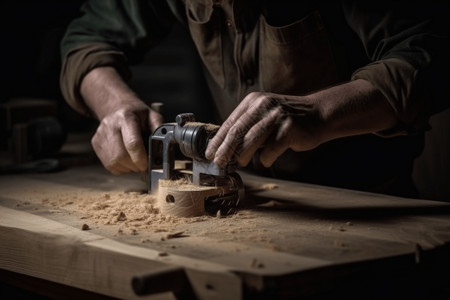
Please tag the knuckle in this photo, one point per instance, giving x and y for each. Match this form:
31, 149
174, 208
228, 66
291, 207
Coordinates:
127, 115
253, 95
95, 141
237, 132
133, 144
120, 116
228, 123
258, 129
271, 102
98, 145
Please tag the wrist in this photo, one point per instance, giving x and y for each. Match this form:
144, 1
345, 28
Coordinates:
104, 92
353, 108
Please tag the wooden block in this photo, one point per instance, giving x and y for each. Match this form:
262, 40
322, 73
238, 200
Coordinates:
183, 199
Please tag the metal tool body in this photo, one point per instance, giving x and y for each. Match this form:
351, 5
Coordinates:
186, 141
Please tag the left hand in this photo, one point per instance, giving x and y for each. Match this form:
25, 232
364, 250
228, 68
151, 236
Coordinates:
118, 140
272, 121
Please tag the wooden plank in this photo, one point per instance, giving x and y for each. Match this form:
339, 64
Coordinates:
288, 230
303, 226
46, 249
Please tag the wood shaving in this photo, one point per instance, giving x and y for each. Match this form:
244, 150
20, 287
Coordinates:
176, 235
269, 186
257, 264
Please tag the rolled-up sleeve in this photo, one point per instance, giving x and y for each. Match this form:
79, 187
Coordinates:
79, 61
109, 33
407, 43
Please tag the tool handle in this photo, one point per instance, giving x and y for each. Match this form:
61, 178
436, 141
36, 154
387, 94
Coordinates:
168, 279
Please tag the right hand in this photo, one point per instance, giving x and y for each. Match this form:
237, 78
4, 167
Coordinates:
123, 118
118, 140
270, 122
277, 122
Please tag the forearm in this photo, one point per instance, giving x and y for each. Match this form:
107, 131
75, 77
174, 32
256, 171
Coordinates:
353, 108
79, 62
104, 91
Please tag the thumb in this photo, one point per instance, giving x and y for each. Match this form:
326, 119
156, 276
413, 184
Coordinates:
270, 153
155, 119
276, 145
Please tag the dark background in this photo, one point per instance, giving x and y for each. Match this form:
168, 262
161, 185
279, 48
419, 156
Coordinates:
31, 32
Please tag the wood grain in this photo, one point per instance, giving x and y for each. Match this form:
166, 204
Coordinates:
53, 251
184, 200
293, 235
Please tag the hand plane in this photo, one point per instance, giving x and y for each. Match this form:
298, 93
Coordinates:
177, 150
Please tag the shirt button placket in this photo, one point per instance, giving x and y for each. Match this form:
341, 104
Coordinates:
229, 24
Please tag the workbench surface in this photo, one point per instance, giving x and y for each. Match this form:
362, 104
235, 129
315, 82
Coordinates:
85, 228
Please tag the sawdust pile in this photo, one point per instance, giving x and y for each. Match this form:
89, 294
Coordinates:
135, 212
131, 208
132, 211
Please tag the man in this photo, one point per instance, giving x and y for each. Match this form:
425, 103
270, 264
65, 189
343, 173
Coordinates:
335, 93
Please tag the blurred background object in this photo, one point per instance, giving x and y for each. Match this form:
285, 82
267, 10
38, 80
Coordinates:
30, 129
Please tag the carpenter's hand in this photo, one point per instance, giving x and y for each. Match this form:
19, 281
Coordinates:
278, 122
123, 118
118, 141
271, 121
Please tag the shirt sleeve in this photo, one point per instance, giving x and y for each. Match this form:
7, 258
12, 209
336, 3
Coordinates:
79, 61
109, 33
407, 42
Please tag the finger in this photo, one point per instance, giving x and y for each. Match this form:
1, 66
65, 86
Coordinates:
134, 145
113, 165
218, 139
113, 155
222, 133
270, 154
228, 147
260, 107
276, 146
233, 141
256, 137
155, 120
117, 169
126, 164
106, 144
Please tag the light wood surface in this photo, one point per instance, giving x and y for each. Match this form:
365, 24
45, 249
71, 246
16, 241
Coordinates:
184, 200
290, 239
